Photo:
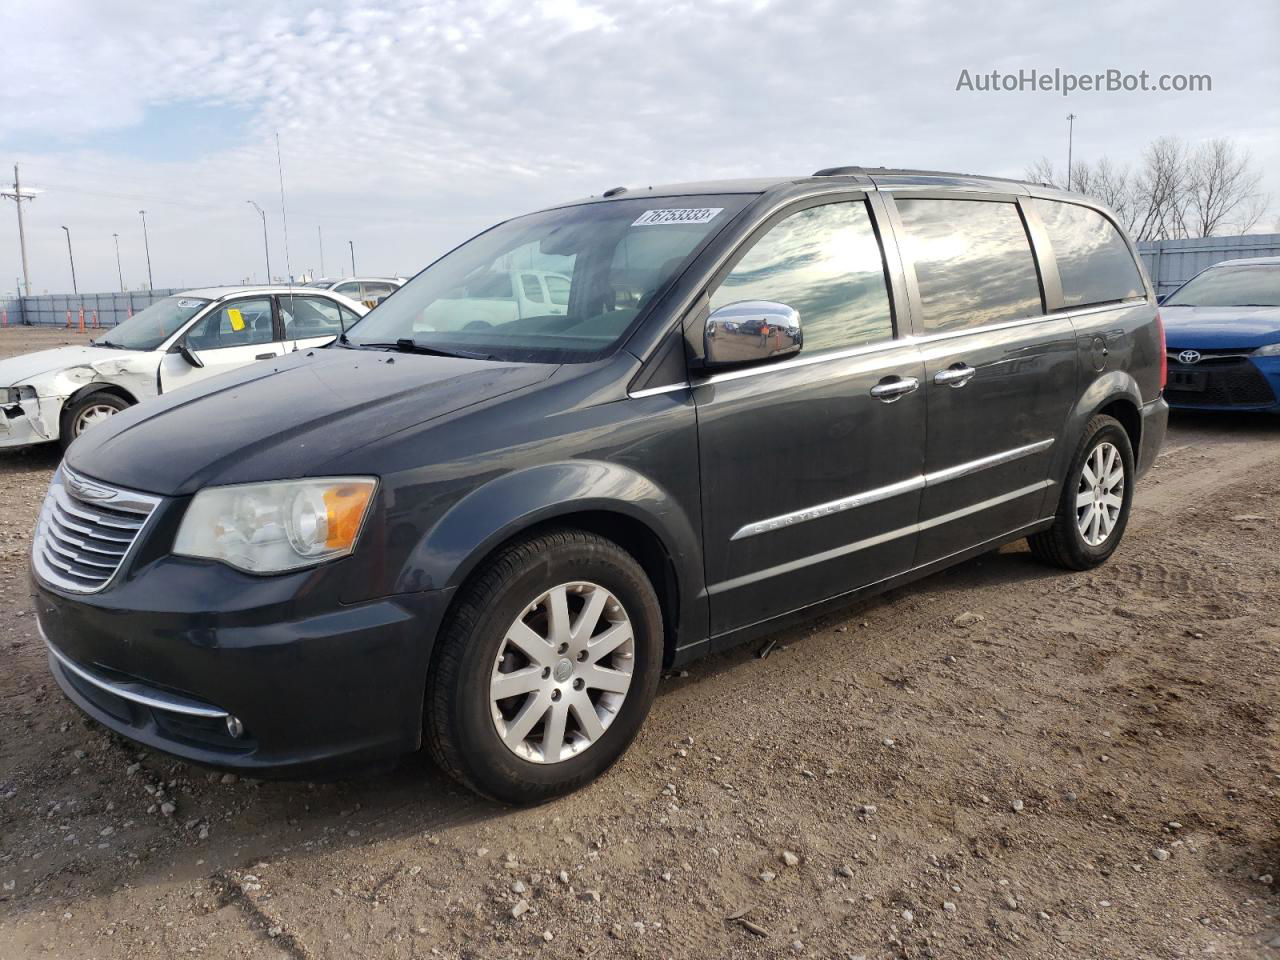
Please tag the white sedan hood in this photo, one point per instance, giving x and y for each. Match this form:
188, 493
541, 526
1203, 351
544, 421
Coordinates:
59, 372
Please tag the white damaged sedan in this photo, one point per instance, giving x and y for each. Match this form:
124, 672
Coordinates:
58, 394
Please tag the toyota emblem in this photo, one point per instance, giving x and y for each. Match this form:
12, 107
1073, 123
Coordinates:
1189, 356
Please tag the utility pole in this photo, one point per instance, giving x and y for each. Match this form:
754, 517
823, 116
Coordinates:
320, 234
151, 284
265, 247
1071, 124
17, 196
119, 271
352, 245
72, 257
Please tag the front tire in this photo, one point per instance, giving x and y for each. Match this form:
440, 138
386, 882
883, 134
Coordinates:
546, 668
1093, 510
88, 412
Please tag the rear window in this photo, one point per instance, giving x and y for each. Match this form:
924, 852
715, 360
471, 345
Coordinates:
1094, 262
973, 262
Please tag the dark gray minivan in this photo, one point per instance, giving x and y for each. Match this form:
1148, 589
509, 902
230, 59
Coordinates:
590, 442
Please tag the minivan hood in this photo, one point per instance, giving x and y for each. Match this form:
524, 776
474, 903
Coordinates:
282, 419
22, 370
1220, 327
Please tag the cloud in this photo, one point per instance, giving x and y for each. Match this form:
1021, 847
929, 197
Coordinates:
405, 126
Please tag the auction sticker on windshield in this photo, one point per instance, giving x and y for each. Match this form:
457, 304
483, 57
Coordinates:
653, 218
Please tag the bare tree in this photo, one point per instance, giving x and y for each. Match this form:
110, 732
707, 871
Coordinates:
1041, 172
1160, 191
1223, 188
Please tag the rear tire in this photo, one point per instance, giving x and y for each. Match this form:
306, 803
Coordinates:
1093, 510
534, 621
87, 412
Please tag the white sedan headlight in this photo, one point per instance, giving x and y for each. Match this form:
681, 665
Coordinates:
276, 526
1270, 350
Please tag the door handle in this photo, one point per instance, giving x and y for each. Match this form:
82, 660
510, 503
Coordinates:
264, 356
891, 388
955, 376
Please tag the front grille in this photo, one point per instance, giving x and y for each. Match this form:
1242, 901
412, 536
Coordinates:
85, 531
1229, 381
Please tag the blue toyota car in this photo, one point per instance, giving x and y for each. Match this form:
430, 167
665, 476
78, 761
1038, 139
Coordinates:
1222, 331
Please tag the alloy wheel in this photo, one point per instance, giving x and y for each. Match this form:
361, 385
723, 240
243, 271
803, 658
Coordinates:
1100, 496
562, 672
93, 415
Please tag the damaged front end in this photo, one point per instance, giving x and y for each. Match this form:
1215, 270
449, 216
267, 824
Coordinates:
26, 418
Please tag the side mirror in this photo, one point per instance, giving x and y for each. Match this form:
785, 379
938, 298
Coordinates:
750, 331
189, 355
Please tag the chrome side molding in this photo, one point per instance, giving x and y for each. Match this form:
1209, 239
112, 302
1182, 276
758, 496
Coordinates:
890, 490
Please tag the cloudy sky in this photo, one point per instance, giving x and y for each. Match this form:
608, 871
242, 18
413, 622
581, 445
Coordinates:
406, 126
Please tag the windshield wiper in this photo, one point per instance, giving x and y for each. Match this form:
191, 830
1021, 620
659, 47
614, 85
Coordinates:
106, 343
410, 345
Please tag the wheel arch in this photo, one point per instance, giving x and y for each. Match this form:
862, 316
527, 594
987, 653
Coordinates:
99, 386
609, 500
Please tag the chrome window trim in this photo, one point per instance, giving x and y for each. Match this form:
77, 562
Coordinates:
149, 697
793, 565
654, 391
803, 361
877, 494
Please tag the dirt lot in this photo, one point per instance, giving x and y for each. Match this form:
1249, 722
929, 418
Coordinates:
1000, 761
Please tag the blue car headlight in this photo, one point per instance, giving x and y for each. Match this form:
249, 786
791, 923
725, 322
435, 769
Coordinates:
1270, 350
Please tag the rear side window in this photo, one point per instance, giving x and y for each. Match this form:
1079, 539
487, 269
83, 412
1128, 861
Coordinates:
973, 262
826, 263
1093, 260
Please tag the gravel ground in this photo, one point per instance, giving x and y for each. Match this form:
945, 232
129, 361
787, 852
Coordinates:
999, 761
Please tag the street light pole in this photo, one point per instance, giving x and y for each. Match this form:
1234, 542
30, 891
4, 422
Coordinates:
151, 284
320, 234
17, 196
119, 271
1071, 123
72, 257
265, 247
352, 245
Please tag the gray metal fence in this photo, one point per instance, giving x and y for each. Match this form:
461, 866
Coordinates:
108, 308
1171, 263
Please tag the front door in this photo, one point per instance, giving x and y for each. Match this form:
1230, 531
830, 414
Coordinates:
229, 336
810, 484
1000, 376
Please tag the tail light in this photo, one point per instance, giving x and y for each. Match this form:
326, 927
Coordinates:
1164, 353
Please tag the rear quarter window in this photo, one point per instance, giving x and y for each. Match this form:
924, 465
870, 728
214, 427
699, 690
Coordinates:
1094, 262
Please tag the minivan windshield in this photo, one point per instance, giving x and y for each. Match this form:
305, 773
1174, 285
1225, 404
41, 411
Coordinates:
1244, 286
560, 286
149, 328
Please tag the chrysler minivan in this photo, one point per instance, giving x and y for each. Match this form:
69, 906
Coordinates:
760, 398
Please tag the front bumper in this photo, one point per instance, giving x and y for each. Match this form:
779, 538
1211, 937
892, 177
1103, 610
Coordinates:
1224, 382
29, 422
317, 693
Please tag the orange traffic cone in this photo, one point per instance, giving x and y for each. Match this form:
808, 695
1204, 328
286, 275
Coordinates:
4, 318
68, 319
94, 324
82, 319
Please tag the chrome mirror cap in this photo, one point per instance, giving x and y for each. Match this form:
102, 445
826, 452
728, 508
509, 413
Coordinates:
750, 331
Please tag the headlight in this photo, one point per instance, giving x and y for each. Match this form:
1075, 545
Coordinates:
18, 394
277, 526
1270, 350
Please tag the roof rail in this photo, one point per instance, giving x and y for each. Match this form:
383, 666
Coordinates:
839, 172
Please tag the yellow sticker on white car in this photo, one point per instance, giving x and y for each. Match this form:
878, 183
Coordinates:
237, 320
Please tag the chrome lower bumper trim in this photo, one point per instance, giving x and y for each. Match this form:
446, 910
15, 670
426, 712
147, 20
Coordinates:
135, 692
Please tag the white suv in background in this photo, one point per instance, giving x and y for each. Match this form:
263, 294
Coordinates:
366, 290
